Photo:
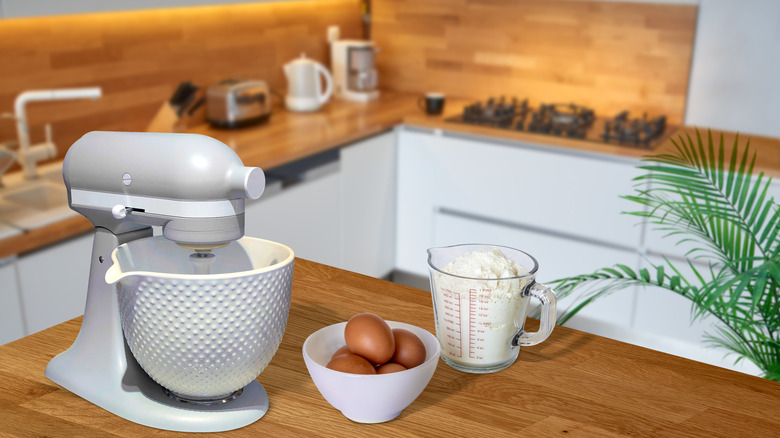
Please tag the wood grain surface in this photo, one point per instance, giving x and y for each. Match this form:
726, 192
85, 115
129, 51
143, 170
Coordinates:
611, 56
289, 136
574, 384
139, 58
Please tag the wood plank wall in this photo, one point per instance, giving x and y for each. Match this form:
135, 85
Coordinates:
139, 57
608, 55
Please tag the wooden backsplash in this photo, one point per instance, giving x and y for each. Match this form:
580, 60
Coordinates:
139, 57
608, 55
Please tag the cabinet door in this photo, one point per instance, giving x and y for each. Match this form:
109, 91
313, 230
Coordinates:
11, 322
304, 216
416, 186
549, 189
368, 187
53, 282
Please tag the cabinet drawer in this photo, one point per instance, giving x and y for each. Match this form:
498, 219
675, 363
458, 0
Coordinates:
551, 191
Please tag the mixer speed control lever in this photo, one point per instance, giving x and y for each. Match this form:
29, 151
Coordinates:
119, 211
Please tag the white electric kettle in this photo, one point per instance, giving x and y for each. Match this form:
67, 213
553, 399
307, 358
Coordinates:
304, 87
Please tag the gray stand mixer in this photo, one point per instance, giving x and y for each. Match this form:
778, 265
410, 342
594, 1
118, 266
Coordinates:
194, 188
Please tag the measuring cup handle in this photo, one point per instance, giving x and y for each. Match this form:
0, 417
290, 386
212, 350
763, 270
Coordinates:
548, 318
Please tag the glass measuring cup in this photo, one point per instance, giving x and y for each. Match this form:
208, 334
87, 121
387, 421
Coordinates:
480, 321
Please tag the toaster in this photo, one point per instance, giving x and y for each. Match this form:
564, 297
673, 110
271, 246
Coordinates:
233, 103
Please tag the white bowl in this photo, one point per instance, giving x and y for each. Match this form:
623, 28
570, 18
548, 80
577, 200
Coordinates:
203, 337
367, 398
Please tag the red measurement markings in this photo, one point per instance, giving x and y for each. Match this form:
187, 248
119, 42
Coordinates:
452, 322
478, 314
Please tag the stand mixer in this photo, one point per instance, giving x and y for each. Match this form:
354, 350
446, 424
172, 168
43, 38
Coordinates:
194, 187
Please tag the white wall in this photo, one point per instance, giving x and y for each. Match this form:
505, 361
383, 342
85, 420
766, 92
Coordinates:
735, 77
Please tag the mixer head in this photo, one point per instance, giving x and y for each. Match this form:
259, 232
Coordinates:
192, 185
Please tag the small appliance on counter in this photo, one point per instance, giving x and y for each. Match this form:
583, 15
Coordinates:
176, 327
304, 87
235, 103
354, 71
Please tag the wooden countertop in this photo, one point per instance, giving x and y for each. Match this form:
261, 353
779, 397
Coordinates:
291, 136
573, 383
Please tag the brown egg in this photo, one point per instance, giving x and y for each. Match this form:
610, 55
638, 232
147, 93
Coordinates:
351, 363
409, 349
369, 336
340, 351
390, 367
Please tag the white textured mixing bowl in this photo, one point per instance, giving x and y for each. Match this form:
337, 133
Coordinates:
203, 336
367, 398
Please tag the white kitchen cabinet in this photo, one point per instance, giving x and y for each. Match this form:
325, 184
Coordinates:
337, 208
11, 316
53, 282
571, 195
301, 210
417, 172
368, 185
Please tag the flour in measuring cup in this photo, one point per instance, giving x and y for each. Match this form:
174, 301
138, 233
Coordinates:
484, 263
479, 316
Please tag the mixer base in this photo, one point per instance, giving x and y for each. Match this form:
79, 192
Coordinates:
203, 400
100, 368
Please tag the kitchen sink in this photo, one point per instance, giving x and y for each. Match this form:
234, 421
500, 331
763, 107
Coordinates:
42, 196
34, 204
54, 175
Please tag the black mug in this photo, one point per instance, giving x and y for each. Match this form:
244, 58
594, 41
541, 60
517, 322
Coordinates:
432, 103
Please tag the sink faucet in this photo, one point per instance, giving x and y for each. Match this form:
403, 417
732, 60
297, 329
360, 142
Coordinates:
28, 154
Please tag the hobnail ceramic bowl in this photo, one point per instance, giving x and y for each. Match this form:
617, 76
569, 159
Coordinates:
205, 335
366, 398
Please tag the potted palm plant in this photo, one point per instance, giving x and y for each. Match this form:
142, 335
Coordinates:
704, 196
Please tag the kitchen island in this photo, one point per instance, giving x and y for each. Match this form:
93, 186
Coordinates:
574, 383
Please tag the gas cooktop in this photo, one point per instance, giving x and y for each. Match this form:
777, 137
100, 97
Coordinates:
567, 120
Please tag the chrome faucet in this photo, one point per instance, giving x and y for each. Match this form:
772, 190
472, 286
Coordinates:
28, 154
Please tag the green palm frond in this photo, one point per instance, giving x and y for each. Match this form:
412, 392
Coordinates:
712, 201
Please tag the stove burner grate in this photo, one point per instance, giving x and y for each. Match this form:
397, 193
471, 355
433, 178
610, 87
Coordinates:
568, 120
501, 112
565, 120
633, 132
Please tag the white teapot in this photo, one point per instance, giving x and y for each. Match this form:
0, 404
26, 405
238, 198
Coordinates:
304, 87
